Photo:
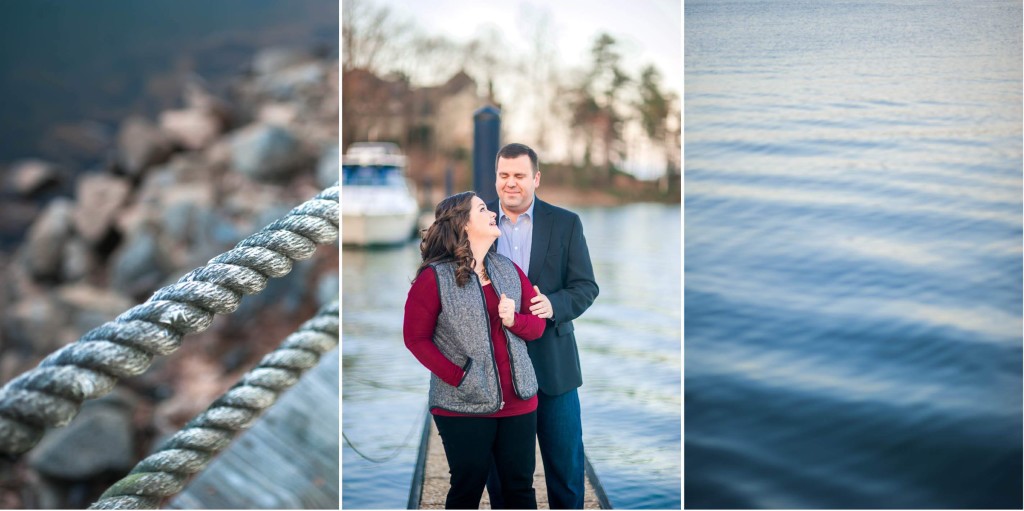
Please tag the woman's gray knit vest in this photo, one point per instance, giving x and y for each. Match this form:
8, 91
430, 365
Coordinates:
463, 335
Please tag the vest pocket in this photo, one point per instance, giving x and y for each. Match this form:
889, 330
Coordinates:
473, 388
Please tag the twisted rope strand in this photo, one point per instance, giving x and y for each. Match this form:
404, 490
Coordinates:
165, 472
51, 394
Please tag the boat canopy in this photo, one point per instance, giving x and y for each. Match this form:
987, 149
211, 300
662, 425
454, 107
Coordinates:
372, 175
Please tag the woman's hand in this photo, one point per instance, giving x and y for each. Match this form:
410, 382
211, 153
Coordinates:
507, 311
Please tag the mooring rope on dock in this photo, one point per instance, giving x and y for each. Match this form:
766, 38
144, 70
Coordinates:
165, 472
394, 453
51, 394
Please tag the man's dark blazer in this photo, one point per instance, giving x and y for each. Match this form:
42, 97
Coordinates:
560, 267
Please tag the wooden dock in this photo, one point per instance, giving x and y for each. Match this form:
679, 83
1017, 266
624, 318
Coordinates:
431, 478
288, 460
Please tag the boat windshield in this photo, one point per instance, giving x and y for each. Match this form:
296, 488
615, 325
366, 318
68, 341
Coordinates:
372, 175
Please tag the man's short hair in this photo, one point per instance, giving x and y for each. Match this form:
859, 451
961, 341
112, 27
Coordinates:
515, 150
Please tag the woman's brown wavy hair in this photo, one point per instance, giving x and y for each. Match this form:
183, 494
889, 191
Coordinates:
446, 238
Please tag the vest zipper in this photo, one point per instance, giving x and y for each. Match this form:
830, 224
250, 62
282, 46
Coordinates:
490, 342
508, 348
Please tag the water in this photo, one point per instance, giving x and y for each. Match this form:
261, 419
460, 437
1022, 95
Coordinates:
90, 64
629, 348
853, 254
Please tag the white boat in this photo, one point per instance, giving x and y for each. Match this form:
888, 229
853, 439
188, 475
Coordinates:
378, 206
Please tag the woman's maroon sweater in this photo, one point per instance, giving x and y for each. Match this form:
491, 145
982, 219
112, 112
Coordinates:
421, 310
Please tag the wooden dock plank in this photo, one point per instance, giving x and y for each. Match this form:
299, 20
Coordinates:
436, 479
288, 460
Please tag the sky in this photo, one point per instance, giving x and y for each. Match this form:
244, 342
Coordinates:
646, 31
649, 31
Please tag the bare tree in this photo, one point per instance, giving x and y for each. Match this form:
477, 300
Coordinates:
540, 78
485, 58
367, 32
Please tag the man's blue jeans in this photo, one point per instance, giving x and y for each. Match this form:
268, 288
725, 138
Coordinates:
560, 435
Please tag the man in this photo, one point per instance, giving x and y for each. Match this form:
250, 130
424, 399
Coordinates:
547, 243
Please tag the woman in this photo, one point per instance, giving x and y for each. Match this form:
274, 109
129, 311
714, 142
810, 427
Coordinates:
461, 322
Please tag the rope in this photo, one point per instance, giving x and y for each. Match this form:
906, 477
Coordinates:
51, 394
165, 472
397, 450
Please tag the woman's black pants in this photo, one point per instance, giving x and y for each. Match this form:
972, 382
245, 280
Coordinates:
471, 444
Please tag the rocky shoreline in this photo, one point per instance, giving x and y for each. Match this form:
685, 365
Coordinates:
178, 189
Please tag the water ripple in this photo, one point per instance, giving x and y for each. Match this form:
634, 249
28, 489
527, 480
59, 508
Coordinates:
853, 255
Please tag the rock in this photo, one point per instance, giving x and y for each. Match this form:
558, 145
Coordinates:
33, 324
201, 381
218, 155
186, 167
137, 266
99, 440
279, 114
184, 209
15, 218
140, 144
28, 177
328, 169
78, 260
91, 306
211, 234
192, 128
46, 239
99, 197
198, 98
272, 60
181, 205
266, 153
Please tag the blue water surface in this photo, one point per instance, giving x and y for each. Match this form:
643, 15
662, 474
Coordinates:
629, 344
853, 254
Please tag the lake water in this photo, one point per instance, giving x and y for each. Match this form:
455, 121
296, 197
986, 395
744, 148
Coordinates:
629, 348
853, 254
68, 69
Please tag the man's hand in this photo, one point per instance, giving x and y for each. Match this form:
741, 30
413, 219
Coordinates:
541, 305
506, 311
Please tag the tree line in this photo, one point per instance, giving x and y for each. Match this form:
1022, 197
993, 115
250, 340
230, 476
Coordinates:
597, 117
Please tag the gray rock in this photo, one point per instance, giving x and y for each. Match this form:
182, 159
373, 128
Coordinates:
137, 266
191, 128
191, 227
34, 324
99, 197
46, 239
140, 144
15, 218
266, 153
197, 97
277, 113
27, 177
91, 306
209, 233
328, 169
99, 440
78, 260
177, 221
